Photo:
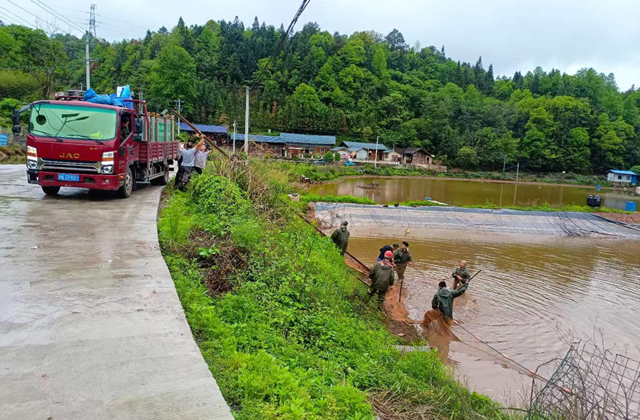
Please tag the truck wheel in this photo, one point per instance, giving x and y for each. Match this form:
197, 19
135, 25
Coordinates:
127, 187
51, 190
164, 179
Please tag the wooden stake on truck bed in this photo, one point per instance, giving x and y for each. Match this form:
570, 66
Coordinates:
194, 128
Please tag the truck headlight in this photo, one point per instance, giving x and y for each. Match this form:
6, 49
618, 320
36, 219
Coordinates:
32, 153
32, 164
106, 169
106, 166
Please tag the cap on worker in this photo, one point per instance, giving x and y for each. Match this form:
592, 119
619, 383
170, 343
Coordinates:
388, 254
345, 223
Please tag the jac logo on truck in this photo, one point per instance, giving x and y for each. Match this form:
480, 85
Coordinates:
70, 155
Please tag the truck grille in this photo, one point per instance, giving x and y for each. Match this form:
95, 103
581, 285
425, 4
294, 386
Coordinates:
69, 166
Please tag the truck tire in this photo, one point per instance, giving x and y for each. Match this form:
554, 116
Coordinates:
162, 180
127, 188
51, 190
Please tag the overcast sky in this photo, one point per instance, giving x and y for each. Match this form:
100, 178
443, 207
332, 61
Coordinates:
510, 34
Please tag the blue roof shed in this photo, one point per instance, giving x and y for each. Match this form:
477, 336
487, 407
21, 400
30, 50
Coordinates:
354, 146
616, 175
219, 129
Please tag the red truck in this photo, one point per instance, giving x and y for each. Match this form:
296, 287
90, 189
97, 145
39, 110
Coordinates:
73, 143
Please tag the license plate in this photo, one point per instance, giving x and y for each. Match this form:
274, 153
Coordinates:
69, 177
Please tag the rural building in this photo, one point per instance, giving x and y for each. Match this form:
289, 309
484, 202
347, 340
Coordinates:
289, 144
365, 151
415, 156
344, 153
622, 177
392, 156
212, 132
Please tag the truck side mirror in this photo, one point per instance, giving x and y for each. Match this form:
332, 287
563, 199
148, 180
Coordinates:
15, 119
137, 129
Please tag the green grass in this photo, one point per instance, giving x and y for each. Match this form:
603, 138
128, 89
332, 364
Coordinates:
294, 338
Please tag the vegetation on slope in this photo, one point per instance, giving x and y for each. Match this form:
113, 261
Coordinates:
284, 328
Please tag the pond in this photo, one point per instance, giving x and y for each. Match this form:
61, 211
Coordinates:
461, 193
530, 288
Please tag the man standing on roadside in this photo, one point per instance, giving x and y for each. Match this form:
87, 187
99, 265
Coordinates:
201, 159
386, 248
340, 237
188, 155
402, 258
381, 278
461, 275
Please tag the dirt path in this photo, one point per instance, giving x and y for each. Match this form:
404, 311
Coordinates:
618, 217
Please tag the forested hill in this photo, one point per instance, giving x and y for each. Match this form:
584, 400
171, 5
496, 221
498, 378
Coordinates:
361, 85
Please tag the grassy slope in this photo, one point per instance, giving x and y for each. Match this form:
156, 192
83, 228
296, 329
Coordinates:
294, 338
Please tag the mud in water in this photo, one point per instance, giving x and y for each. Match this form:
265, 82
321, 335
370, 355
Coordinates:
530, 288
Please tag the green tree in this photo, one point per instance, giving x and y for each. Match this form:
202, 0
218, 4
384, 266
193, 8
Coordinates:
304, 109
173, 76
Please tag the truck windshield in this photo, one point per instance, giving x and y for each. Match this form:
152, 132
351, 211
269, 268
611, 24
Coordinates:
72, 122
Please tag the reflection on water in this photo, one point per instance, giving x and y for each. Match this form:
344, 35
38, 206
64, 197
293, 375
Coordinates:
526, 291
460, 193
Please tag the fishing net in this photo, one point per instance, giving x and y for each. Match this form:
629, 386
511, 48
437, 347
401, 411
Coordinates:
590, 384
500, 221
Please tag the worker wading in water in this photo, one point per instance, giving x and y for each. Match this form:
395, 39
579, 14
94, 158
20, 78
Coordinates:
381, 278
340, 237
442, 303
460, 276
402, 258
386, 248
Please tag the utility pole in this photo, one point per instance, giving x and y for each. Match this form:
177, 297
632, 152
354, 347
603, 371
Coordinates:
246, 125
92, 27
234, 137
375, 162
179, 107
518, 172
504, 164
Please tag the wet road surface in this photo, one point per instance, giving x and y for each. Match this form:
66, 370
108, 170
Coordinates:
90, 322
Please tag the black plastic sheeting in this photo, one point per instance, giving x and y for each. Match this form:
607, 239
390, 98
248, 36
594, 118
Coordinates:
500, 221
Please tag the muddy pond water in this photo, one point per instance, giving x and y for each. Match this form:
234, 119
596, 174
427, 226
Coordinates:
460, 193
530, 288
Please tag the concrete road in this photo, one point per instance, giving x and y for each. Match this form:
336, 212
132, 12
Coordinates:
90, 323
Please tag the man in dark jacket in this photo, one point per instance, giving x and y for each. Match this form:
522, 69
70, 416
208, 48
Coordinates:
340, 237
443, 300
461, 275
381, 278
402, 258
386, 248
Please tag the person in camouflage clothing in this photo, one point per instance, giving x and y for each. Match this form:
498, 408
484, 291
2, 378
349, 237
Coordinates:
443, 301
381, 278
402, 258
461, 275
340, 237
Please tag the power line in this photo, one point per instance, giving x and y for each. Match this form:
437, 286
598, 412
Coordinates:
285, 35
56, 14
6, 20
13, 14
37, 17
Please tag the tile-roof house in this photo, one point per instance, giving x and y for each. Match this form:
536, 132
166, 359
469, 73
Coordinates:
365, 151
415, 155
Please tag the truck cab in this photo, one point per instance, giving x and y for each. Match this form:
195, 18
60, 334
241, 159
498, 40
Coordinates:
73, 143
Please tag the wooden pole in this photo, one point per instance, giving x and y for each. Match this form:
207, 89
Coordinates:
194, 128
